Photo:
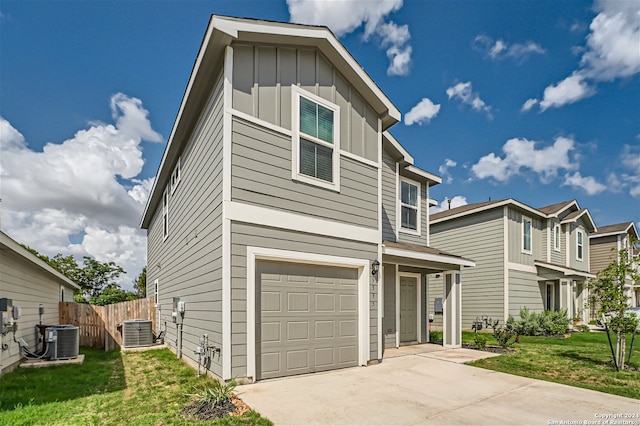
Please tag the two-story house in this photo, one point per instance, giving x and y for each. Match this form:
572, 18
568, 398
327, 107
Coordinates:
266, 222
606, 245
525, 257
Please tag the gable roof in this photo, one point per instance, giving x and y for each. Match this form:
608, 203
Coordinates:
406, 159
575, 216
8, 244
556, 209
220, 33
618, 228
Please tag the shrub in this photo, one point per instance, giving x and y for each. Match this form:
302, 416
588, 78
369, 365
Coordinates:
480, 341
503, 335
547, 323
584, 328
435, 336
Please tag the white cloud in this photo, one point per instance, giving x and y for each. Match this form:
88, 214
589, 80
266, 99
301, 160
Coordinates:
588, 183
456, 201
523, 154
530, 103
500, 49
422, 113
570, 90
611, 52
345, 16
444, 170
629, 172
464, 93
86, 187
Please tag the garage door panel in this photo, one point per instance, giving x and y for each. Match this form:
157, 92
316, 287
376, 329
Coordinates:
309, 318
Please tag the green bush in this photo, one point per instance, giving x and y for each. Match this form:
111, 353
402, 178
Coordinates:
480, 341
547, 323
504, 335
584, 328
435, 336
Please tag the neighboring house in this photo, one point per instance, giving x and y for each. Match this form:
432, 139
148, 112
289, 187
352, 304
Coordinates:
266, 220
538, 258
605, 247
30, 283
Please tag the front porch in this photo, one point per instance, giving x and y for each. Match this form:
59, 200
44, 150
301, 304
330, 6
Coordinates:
406, 315
564, 288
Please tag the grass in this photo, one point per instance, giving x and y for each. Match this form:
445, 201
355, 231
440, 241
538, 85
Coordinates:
109, 388
582, 360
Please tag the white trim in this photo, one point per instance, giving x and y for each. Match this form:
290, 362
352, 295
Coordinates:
265, 216
296, 94
418, 278
418, 207
429, 257
423, 174
381, 270
551, 284
380, 310
176, 175
567, 245
406, 156
505, 254
359, 159
579, 245
523, 220
493, 205
226, 222
259, 122
559, 228
397, 286
567, 271
522, 268
262, 253
165, 211
608, 234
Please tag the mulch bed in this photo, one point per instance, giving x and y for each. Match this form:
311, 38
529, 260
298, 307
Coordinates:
233, 407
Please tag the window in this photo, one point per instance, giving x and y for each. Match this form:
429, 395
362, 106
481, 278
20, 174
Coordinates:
315, 140
549, 297
556, 237
526, 235
155, 292
579, 245
165, 213
410, 206
175, 176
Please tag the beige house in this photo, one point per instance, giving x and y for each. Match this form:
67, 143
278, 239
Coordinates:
525, 256
605, 247
33, 287
288, 231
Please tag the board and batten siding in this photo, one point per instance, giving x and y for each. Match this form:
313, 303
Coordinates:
603, 250
28, 286
261, 175
389, 197
558, 257
478, 237
524, 291
538, 251
262, 80
246, 235
188, 264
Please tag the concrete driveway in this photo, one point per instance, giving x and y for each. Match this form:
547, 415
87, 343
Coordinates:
428, 387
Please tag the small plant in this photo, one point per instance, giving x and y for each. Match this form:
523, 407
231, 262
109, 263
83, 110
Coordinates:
480, 341
584, 328
435, 336
503, 335
217, 393
213, 402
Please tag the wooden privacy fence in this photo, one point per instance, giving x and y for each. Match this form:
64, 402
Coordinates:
98, 324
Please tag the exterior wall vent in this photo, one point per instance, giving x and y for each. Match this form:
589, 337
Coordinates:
136, 333
63, 342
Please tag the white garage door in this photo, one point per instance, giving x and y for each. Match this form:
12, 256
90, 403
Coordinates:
308, 318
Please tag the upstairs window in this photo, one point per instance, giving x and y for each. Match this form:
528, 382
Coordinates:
556, 237
579, 245
165, 213
315, 140
175, 176
526, 235
409, 206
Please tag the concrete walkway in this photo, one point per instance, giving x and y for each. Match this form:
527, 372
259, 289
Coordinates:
422, 385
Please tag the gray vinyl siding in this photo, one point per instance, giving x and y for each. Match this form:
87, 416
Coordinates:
478, 237
436, 290
524, 291
244, 235
28, 286
261, 175
581, 265
602, 252
389, 198
421, 239
516, 254
262, 79
188, 264
389, 314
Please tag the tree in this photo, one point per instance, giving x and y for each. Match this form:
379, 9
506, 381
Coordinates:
140, 284
112, 294
96, 276
607, 294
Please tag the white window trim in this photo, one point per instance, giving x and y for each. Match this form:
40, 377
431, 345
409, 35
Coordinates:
156, 293
553, 295
296, 93
524, 220
165, 213
418, 229
556, 237
578, 258
176, 175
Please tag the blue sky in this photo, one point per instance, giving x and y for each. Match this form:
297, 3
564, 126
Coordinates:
533, 100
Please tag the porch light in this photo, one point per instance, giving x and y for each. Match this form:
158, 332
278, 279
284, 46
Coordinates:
375, 267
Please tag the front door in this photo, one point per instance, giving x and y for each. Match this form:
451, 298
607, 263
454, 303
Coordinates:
408, 309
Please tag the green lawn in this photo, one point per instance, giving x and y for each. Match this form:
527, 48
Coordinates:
582, 360
109, 388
